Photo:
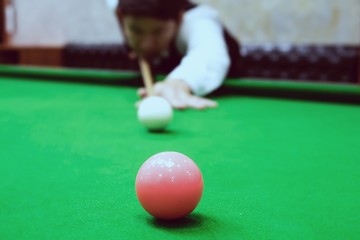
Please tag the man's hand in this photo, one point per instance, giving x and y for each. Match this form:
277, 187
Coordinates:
179, 95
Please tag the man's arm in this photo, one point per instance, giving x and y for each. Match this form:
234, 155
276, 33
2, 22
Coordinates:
206, 61
204, 65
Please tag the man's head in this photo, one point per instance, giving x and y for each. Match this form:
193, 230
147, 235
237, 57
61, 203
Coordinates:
150, 25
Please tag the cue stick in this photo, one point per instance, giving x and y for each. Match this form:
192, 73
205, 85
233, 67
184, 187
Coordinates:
147, 76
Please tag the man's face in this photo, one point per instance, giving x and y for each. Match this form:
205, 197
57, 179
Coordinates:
149, 37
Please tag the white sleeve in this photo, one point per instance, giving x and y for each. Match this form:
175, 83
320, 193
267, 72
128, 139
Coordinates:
206, 60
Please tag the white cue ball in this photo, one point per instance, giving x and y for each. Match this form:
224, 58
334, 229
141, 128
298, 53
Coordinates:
155, 113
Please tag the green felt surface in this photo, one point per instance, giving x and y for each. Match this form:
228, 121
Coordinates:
273, 168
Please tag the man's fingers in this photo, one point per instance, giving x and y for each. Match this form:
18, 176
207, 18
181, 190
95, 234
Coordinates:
172, 95
210, 103
178, 104
137, 104
141, 92
200, 103
178, 97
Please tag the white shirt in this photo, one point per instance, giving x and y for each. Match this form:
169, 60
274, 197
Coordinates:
206, 60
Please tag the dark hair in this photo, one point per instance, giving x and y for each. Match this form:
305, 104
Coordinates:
161, 9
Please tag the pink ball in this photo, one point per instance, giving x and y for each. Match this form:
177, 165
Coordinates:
169, 185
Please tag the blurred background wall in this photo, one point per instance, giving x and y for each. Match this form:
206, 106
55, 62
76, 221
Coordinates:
289, 21
294, 21
251, 21
52, 22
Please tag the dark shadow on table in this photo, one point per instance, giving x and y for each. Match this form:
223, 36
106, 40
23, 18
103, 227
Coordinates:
76, 79
191, 221
163, 132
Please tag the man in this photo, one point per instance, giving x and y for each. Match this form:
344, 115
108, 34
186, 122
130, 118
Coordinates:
182, 39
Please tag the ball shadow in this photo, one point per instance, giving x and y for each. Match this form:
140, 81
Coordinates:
162, 132
191, 221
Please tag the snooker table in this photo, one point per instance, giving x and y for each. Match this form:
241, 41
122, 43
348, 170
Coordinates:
280, 159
